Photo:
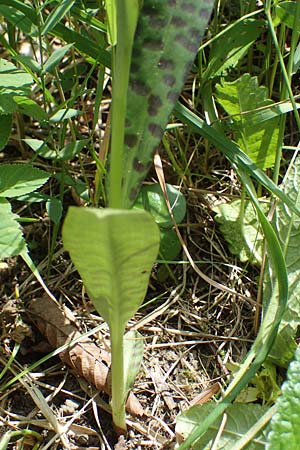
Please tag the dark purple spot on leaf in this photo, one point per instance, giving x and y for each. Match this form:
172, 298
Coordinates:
151, 9
136, 52
188, 7
178, 21
166, 64
155, 130
205, 13
134, 67
158, 22
131, 140
138, 165
153, 44
172, 2
172, 96
169, 80
132, 194
186, 43
154, 103
139, 87
194, 33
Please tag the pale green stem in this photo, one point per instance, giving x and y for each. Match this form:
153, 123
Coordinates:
127, 12
117, 377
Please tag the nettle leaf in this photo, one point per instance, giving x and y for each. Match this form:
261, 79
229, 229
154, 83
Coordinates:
240, 227
231, 46
5, 129
257, 138
240, 418
167, 37
12, 242
113, 250
20, 179
287, 225
285, 425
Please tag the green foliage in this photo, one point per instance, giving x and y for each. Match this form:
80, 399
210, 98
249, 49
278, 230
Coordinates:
165, 43
15, 180
257, 138
240, 418
114, 251
240, 227
151, 198
287, 225
285, 425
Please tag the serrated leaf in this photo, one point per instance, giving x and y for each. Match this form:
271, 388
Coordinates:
20, 179
133, 355
167, 38
231, 46
258, 140
240, 418
285, 425
241, 229
113, 250
11, 238
5, 129
287, 225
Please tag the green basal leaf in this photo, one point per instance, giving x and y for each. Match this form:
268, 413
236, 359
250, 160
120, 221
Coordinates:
20, 179
287, 225
113, 250
240, 418
170, 245
258, 140
133, 355
167, 37
285, 429
231, 46
240, 227
151, 198
5, 129
12, 242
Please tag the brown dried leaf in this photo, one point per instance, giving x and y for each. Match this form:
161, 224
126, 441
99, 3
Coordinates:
84, 357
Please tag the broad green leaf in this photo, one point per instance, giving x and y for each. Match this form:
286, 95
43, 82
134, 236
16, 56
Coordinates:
11, 238
240, 227
64, 114
30, 108
170, 245
167, 37
231, 46
54, 209
133, 355
56, 57
41, 148
285, 11
287, 225
285, 425
56, 15
11, 77
151, 198
5, 129
258, 140
113, 250
20, 179
240, 418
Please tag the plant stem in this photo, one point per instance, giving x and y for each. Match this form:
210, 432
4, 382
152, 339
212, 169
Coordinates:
117, 377
127, 13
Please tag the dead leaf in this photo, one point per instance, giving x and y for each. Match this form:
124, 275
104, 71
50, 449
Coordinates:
85, 358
